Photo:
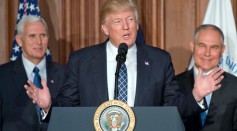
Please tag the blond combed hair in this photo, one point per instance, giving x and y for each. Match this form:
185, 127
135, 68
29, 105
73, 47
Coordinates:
114, 6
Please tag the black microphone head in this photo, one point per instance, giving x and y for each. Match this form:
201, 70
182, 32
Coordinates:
122, 51
123, 48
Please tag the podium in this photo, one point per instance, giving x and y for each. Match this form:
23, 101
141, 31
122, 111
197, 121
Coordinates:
147, 119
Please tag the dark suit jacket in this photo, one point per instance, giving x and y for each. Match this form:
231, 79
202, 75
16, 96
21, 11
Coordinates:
17, 112
86, 79
222, 113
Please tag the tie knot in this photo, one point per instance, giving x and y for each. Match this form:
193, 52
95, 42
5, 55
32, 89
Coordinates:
36, 70
37, 78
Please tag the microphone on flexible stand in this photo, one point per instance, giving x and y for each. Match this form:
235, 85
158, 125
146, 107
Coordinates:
120, 58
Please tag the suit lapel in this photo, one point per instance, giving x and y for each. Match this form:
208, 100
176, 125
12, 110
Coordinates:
50, 72
188, 80
188, 83
99, 69
20, 78
144, 64
215, 99
52, 79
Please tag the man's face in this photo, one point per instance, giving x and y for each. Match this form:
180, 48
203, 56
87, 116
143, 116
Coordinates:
34, 41
207, 50
121, 27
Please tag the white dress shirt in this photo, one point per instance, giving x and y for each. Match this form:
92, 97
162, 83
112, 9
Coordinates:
29, 67
131, 64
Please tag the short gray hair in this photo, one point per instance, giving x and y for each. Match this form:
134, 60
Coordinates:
29, 18
208, 26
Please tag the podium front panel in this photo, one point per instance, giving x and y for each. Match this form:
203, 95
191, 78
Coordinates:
147, 119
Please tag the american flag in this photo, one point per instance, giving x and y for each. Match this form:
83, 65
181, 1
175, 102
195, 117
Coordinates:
140, 37
26, 7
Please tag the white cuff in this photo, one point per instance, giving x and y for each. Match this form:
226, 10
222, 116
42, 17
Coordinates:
43, 114
201, 104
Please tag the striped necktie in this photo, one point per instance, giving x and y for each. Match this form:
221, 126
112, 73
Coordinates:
123, 84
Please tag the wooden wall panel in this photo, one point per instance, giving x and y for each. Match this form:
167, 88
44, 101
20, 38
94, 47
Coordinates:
179, 28
151, 20
8, 13
74, 24
53, 12
234, 6
12, 13
4, 31
85, 24
181, 19
151, 13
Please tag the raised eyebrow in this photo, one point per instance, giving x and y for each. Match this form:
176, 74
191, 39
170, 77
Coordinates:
200, 43
44, 34
116, 19
31, 34
130, 16
216, 46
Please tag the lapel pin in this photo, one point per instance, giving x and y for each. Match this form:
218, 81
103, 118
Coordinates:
146, 63
52, 81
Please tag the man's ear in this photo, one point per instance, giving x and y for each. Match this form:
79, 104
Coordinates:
191, 45
223, 49
105, 29
18, 40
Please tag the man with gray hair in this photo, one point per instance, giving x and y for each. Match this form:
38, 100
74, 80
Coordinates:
221, 115
17, 112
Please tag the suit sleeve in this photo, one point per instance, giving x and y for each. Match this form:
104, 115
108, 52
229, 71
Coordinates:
0, 113
69, 93
173, 96
235, 118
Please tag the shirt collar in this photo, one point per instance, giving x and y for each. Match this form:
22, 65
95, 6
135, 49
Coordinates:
29, 66
113, 51
195, 71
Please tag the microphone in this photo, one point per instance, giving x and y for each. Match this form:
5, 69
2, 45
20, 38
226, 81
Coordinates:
122, 51
120, 58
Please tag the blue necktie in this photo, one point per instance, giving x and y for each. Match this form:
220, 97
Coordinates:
203, 115
37, 83
123, 84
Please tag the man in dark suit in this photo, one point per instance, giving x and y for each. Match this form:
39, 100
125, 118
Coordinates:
90, 71
17, 111
207, 48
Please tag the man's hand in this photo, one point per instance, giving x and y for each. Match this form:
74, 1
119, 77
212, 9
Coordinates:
205, 86
41, 97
